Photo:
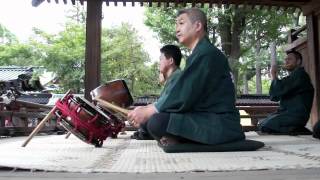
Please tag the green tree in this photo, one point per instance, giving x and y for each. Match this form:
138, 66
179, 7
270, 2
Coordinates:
123, 57
6, 37
12, 52
263, 27
16, 54
235, 29
63, 53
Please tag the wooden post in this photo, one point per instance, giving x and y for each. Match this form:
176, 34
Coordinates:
313, 71
93, 46
312, 12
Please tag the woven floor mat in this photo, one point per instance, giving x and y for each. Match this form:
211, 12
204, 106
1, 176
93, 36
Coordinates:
55, 153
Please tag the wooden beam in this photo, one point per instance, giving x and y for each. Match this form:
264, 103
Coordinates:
93, 46
210, 4
284, 3
168, 3
73, 2
312, 6
193, 4
313, 31
260, 7
176, 4
295, 43
65, 1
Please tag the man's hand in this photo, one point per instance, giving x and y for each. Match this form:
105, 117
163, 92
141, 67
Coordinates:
141, 114
273, 72
162, 79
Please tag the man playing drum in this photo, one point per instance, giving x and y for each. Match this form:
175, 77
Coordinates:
200, 106
295, 93
170, 59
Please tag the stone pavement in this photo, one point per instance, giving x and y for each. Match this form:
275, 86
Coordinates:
123, 155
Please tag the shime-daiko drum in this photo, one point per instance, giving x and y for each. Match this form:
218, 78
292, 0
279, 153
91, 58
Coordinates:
89, 122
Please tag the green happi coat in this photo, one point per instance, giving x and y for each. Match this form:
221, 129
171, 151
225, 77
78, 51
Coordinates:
170, 81
295, 93
201, 102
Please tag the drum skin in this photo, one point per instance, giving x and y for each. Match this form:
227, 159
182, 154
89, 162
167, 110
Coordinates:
115, 92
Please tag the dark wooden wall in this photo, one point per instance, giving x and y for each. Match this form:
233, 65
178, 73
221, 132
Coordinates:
311, 51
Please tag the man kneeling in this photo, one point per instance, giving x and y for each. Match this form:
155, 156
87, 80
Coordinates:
295, 93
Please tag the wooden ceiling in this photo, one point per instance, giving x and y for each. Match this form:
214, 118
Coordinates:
198, 3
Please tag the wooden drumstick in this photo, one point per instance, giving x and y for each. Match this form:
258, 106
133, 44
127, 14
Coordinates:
68, 135
112, 106
42, 123
39, 126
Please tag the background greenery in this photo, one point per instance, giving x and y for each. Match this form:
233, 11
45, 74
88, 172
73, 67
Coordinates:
243, 34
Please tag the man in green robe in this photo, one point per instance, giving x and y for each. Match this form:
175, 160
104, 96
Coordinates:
295, 93
200, 106
169, 68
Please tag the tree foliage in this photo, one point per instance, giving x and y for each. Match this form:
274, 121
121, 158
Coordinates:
122, 55
234, 29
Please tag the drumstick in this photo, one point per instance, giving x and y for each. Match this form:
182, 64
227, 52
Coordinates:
42, 123
39, 126
112, 106
68, 134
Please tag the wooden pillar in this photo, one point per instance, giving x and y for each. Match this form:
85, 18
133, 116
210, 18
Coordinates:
93, 46
312, 12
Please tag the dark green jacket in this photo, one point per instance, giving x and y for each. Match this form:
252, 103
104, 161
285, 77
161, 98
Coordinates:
201, 102
295, 93
170, 81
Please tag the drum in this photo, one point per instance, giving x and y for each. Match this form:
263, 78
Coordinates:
86, 121
115, 92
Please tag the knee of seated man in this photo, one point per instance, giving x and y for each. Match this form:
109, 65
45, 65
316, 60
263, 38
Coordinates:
152, 124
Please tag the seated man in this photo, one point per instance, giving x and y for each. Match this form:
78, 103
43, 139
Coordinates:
199, 107
295, 93
170, 59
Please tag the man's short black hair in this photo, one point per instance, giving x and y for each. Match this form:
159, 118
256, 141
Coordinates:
296, 54
195, 14
172, 51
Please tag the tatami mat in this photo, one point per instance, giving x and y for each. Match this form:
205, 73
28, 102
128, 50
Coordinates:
55, 153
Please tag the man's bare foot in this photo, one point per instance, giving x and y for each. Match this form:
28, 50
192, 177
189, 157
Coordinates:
166, 141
